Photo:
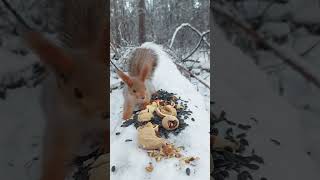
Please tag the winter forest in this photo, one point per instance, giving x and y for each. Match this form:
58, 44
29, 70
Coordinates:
182, 27
178, 33
263, 84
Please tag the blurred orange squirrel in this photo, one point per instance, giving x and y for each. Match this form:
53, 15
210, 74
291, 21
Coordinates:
138, 89
74, 96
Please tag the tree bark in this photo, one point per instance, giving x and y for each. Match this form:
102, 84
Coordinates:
117, 39
141, 12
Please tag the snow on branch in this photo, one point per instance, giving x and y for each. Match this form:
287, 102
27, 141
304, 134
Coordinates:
192, 28
286, 54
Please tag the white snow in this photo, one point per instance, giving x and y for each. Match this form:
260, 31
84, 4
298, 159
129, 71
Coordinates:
277, 29
130, 161
306, 12
21, 121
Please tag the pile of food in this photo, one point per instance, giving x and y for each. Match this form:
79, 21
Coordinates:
166, 110
165, 114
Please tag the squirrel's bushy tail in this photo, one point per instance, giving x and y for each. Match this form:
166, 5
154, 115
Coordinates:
140, 58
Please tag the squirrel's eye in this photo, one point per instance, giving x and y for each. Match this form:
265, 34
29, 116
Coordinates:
77, 93
134, 91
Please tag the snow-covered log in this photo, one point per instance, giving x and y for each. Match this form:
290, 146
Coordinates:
130, 161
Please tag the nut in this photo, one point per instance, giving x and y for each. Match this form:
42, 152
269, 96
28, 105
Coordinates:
168, 150
149, 168
147, 137
163, 111
145, 116
170, 122
152, 107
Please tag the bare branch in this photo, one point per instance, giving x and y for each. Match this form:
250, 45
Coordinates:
197, 46
189, 26
310, 49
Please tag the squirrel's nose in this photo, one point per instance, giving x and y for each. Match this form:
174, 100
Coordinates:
143, 97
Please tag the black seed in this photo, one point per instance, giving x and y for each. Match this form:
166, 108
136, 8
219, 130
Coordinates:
215, 131
244, 142
192, 119
229, 149
229, 132
244, 175
188, 171
230, 122
128, 140
254, 119
252, 166
242, 135
3, 92
244, 127
113, 168
276, 142
257, 159
225, 173
118, 133
128, 123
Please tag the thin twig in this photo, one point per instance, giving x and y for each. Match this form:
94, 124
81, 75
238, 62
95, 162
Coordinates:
115, 66
310, 49
192, 75
14, 12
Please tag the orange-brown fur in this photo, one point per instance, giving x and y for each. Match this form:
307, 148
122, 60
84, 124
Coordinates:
137, 91
74, 96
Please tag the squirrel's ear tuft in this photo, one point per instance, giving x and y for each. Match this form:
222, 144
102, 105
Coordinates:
48, 52
125, 78
144, 72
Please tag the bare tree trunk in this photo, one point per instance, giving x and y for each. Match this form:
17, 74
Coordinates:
141, 12
116, 22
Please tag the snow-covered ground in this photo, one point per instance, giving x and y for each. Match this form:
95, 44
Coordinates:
21, 120
130, 161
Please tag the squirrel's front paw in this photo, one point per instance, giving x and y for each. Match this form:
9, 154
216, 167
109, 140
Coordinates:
126, 116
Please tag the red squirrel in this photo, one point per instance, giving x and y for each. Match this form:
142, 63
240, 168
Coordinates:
74, 96
138, 89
